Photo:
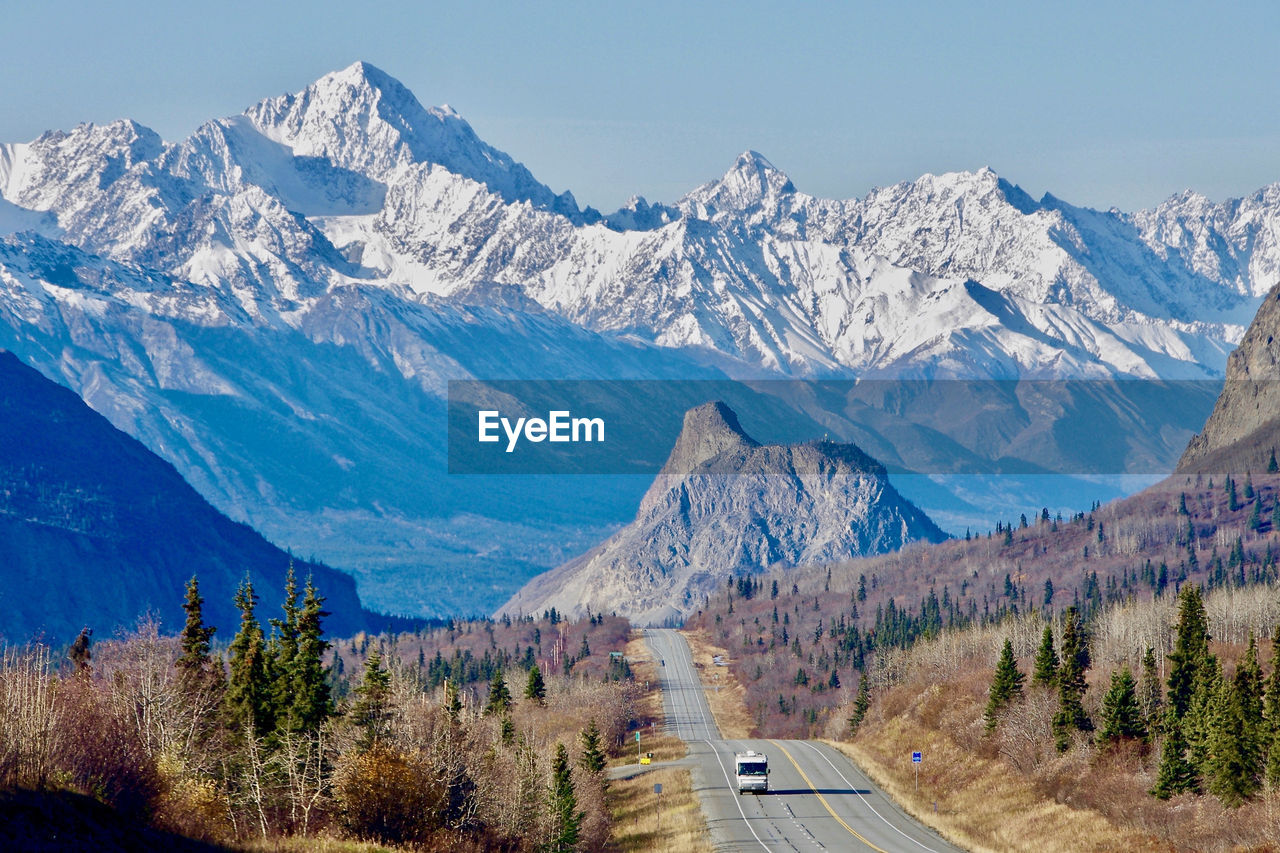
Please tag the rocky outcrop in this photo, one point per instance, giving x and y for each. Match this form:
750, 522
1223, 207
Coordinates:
725, 505
1244, 430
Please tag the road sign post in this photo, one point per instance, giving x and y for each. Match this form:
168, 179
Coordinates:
657, 789
637, 746
916, 758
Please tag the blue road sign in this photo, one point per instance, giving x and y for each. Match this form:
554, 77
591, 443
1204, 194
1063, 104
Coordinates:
916, 758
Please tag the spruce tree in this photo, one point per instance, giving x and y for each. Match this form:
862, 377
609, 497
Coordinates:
247, 700
1071, 715
1122, 716
860, 705
452, 701
310, 702
1232, 761
1271, 713
566, 820
1176, 775
536, 688
1251, 692
371, 712
282, 648
79, 652
1198, 723
1046, 663
195, 664
1190, 648
1006, 685
593, 759
499, 696
1272, 467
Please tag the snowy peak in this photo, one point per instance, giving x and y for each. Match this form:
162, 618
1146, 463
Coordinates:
751, 183
363, 119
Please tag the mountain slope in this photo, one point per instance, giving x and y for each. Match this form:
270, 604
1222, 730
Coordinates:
1243, 433
724, 505
96, 530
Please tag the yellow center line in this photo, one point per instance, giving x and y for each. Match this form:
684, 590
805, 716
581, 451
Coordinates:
823, 800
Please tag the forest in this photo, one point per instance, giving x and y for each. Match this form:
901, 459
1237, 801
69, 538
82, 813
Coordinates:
476, 735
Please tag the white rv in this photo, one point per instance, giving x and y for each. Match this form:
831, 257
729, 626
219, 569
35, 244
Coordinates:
752, 769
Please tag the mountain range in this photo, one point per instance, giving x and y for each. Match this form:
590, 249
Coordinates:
276, 303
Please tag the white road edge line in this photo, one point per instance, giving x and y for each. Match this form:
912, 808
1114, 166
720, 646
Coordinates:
737, 799
864, 799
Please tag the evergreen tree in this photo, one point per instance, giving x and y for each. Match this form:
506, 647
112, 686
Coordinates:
1233, 500
195, 665
282, 648
1251, 693
584, 651
1190, 648
1255, 515
1272, 467
1071, 715
1271, 713
1006, 685
452, 701
310, 701
566, 820
593, 759
536, 688
1175, 775
1233, 758
860, 705
1199, 721
247, 700
371, 712
499, 696
79, 652
1046, 663
1122, 716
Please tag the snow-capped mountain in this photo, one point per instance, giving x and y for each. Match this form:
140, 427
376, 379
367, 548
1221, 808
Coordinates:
275, 303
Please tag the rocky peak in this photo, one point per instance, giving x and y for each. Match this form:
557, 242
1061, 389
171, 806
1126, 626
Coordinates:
725, 506
709, 430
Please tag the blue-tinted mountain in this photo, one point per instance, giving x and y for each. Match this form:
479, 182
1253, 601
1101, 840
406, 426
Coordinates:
96, 530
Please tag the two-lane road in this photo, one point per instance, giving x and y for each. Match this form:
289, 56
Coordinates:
818, 799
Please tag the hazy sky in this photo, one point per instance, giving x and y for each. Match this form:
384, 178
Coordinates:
1100, 103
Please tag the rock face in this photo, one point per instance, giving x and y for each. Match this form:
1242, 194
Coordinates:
726, 505
1244, 429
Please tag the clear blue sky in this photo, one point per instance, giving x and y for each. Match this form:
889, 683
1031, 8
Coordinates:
1101, 103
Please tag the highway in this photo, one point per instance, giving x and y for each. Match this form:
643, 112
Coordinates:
818, 799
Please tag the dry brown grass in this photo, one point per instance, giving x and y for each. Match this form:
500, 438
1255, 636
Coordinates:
636, 823
655, 739
725, 694
310, 844
982, 803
